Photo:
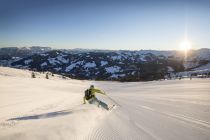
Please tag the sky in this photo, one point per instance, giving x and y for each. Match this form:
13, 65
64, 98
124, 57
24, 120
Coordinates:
105, 24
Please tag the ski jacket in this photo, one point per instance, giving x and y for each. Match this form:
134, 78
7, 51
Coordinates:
93, 91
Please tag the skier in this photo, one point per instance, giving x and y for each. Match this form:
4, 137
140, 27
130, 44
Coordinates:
91, 98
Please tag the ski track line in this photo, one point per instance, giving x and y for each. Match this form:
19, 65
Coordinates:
181, 117
145, 130
146, 107
153, 136
195, 125
142, 129
116, 128
190, 119
97, 133
182, 101
136, 132
113, 131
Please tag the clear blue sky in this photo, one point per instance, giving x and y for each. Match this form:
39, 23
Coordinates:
105, 24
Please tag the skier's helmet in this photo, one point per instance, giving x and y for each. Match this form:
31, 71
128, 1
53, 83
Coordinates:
92, 86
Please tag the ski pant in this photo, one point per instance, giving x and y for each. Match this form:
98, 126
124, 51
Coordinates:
98, 103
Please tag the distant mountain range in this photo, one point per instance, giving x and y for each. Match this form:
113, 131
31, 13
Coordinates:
9, 52
118, 65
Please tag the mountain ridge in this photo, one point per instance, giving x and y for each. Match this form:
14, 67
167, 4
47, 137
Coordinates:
120, 65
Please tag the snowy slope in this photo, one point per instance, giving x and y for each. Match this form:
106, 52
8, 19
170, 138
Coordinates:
204, 67
42, 108
50, 109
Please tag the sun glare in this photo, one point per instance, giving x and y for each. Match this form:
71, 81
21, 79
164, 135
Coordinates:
185, 45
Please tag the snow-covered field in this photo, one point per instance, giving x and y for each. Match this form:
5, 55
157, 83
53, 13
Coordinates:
51, 109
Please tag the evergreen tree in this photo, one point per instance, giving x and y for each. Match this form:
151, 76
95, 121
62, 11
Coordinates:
47, 76
33, 75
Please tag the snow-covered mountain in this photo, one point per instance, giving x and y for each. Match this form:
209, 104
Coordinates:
112, 65
9, 52
115, 65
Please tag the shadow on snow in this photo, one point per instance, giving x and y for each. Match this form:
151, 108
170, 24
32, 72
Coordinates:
43, 116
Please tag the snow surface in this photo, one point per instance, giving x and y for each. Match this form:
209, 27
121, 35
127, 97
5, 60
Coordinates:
157, 53
170, 69
117, 75
62, 59
28, 61
51, 109
44, 54
118, 57
73, 65
43, 64
103, 63
204, 67
188, 65
198, 72
202, 54
57, 69
143, 59
112, 69
53, 61
90, 65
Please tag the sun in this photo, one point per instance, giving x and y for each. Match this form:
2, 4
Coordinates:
185, 45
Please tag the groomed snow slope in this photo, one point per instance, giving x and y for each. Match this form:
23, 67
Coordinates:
50, 109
